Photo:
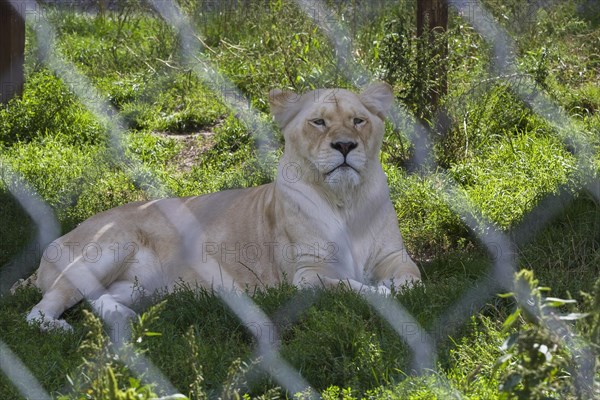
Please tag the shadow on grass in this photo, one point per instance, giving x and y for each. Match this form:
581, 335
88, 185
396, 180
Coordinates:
18, 254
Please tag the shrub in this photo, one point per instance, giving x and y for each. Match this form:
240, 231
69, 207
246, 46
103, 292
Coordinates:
102, 375
543, 359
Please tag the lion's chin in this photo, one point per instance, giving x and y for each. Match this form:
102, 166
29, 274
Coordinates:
343, 177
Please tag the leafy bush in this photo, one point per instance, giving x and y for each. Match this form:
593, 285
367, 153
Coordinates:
412, 64
543, 359
102, 375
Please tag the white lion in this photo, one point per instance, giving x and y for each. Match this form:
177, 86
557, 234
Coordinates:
327, 219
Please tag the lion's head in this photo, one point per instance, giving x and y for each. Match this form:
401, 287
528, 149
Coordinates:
333, 136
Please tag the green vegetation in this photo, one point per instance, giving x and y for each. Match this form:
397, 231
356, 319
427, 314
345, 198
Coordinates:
499, 162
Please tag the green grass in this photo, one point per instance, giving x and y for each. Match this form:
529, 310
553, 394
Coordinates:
508, 181
499, 158
569, 262
47, 107
56, 170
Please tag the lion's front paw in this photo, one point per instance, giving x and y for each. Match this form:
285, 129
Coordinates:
408, 281
384, 290
380, 290
48, 324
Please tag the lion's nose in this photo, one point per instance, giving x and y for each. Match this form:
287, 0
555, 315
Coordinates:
344, 147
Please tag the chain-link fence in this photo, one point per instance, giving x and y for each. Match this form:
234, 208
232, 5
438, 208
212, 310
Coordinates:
421, 342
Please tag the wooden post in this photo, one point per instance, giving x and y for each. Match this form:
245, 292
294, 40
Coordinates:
431, 15
12, 51
432, 19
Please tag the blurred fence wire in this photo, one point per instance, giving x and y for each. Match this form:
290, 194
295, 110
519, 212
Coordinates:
500, 245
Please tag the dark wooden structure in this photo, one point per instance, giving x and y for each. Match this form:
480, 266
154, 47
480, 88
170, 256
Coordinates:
432, 19
12, 51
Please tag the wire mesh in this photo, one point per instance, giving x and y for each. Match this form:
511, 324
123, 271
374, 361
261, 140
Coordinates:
500, 245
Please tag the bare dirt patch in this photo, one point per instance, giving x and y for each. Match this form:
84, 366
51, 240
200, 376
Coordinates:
193, 146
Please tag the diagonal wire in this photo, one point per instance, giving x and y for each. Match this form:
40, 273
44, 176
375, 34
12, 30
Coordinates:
251, 315
14, 369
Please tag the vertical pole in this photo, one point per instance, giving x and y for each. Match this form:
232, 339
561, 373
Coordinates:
432, 19
431, 15
12, 52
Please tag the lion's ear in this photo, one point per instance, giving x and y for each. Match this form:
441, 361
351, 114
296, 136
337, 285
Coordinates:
283, 105
378, 98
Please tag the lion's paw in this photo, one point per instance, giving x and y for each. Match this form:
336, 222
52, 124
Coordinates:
48, 324
384, 290
380, 290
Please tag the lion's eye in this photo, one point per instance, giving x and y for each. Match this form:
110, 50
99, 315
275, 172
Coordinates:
318, 122
359, 121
